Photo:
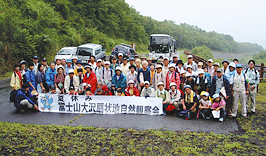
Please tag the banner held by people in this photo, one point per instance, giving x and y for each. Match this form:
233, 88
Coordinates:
99, 104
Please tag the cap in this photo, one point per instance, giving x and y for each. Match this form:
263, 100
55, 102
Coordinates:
175, 55
187, 86
132, 66
201, 71
130, 81
159, 61
239, 66
143, 57
120, 54
219, 70
23, 62
119, 90
232, 64
112, 85
205, 94
188, 74
74, 57
225, 60
189, 56
158, 66
88, 66
114, 58
118, 68
160, 83
166, 58
78, 61
68, 61
189, 66
146, 82
200, 64
60, 66
71, 71
215, 96
216, 64
71, 88
35, 57
79, 70
131, 59
183, 72
99, 60
172, 84
172, 65
149, 59
124, 59
138, 60
210, 60
107, 63
44, 59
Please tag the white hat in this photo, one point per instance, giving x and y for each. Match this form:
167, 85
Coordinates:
84, 84
130, 81
200, 71
172, 65
107, 62
183, 72
189, 56
99, 60
188, 74
74, 57
172, 84
232, 64
210, 60
189, 66
118, 68
205, 94
158, 66
120, 54
166, 58
146, 82
70, 71
216, 64
160, 83
200, 64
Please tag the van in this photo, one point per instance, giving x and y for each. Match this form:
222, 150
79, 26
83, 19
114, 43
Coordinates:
66, 53
85, 51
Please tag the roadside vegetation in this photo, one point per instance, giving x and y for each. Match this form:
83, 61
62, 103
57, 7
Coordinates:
24, 139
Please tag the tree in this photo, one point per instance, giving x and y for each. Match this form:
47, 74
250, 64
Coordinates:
203, 52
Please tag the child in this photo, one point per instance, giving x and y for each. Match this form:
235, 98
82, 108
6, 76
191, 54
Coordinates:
72, 91
182, 79
99, 91
53, 90
205, 105
106, 90
112, 90
219, 104
88, 92
119, 92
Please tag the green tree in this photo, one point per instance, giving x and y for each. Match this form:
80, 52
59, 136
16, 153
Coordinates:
203, 52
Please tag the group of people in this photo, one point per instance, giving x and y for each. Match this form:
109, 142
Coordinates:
187, 89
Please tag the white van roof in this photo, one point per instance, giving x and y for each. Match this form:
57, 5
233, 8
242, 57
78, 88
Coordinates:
90, 45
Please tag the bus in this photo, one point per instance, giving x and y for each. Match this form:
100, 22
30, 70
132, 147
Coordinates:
162, 45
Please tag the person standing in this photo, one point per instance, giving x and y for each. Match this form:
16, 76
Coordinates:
172, 76
210, 66
119, 80
90, 78
16, 78
239, 90
158, 77
132, 75
124, 66
143, 74
49, 75
68, 66
98, 70
107, 74
44, 62
71, 80
40, 79
192, 63
253, 78
166, 65
59, 80
31, 77
35, 63
225, 67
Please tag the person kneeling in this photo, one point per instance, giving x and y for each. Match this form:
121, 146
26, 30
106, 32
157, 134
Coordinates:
189, 103
162, 93
205, 105
175, 97
147, 91
72, 91
24, 99
131, 90
218, 105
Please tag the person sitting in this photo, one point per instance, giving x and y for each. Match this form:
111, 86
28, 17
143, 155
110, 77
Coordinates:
175, 97
24, 100
132, 75
172, 76
158, 77
119, 80
119, 92
90, 78
16, 78
190, 81
72, 90
59, 80
189, 102
131, 90
52, 90
219, 105
112, 90
205, 105
88, 92
99, 91
147, 91
201, 82
162, 93
106, 91
71, 80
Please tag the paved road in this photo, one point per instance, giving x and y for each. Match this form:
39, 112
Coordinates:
138, 122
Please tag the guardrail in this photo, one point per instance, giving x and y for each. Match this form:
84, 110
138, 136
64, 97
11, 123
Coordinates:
261, 70
196, 58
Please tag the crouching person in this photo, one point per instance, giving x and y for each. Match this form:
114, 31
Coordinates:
147, 91
175, 97
162, 93
219, 105
189, 102
24, 100
131, 90
205, 106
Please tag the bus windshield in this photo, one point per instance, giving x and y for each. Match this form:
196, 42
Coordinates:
164, 40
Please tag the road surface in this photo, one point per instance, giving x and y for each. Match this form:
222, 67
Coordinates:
139, 122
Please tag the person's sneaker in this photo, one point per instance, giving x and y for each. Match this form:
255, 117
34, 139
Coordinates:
221, 119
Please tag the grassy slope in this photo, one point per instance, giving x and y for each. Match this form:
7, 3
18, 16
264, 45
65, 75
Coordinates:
26, 139
6, 75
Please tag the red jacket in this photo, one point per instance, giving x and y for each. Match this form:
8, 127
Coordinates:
135, 91
175, 78
106, 91
92, 80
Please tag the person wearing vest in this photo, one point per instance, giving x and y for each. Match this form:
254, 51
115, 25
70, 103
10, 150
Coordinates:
107, 74
147, 91
131, 90
175, 96
132, 75
158, 77
201, 82
240, 89
190, 102
253, 78
229, 74
31, 77
162, 93
218, 82
172, 76
90, 78
16, 78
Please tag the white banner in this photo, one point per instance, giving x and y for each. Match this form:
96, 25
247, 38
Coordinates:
99, 104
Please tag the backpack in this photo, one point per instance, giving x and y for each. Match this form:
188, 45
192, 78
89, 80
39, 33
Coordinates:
13, 95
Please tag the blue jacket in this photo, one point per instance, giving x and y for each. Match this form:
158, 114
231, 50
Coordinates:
31, 77
226, 85
120, 83
49, 76
67, 69
21, 95
146, 74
